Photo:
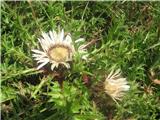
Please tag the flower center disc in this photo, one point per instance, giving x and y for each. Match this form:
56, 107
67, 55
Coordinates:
59, 53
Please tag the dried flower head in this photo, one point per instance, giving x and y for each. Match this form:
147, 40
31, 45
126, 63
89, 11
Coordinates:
57, 49
115, 85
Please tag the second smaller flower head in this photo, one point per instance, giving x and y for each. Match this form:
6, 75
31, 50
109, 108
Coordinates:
115, 85
57, 49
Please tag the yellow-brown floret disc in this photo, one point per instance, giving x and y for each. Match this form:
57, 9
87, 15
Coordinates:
59, 53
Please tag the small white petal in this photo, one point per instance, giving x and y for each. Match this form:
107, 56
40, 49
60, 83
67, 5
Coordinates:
53, 66
126, 87
56, 65
39, 52
55, 35
53, 38
61, 35
39, 55
46, 43
66, 64
43, 44
117, 73
43, 60
80, 40
68, 39
46, 37
38, 58
41, 65
121, 81
110, 74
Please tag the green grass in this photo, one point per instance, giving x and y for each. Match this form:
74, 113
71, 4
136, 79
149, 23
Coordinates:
128, 35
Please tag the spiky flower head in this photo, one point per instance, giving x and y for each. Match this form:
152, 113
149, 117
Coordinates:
115, 85
57, 49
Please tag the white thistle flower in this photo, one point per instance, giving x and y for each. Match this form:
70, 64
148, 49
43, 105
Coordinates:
115, 85
57, 49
